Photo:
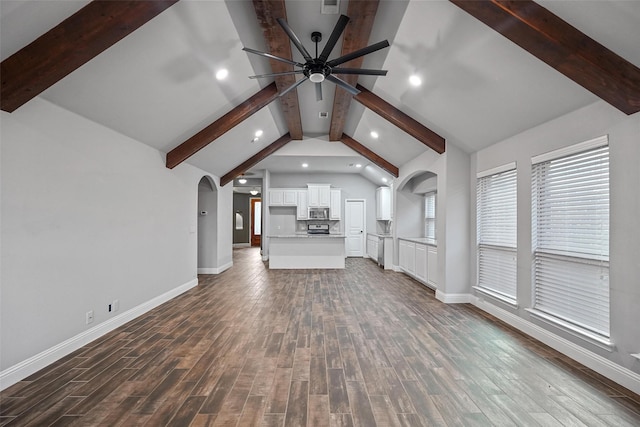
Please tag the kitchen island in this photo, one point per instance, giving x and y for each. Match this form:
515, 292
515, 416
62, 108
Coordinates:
297, 251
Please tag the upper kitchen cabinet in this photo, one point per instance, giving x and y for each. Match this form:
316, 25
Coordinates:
383, 204
283, 197
336, 205
319, 195
303, 206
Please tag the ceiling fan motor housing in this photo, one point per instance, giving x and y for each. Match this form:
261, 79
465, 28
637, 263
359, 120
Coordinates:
316, 70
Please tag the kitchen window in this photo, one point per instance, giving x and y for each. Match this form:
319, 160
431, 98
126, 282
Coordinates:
497, 233
570, 239
430, 215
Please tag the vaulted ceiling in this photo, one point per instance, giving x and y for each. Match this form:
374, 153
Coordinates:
489, 70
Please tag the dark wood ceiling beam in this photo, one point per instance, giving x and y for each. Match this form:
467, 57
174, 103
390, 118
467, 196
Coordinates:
255, 159
71, 44
356, 36
563, 47
368, 154
400, 119
216, 129
278, 44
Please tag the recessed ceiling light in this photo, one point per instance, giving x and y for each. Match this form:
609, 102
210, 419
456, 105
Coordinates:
242, 181
415, 80
259, 133
305, 165
358, 165
384, 179
374, 134
222, 74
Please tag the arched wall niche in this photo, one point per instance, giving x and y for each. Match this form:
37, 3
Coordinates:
207, 226
409, 202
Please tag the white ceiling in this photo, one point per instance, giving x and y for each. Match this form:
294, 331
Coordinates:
158, 85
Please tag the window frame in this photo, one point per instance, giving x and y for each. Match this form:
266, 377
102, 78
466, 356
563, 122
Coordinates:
501, 256
430, 222
551, 262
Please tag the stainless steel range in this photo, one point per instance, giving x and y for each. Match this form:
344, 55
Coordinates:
318, 229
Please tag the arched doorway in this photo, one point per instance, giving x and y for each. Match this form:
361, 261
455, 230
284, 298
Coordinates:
207, 226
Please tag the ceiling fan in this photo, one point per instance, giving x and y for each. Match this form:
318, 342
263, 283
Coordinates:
320, 68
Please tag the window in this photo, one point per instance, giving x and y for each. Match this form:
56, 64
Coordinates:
430, 215
570, 238
497, 232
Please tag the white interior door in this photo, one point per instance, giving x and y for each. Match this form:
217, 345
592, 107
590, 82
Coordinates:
354, 227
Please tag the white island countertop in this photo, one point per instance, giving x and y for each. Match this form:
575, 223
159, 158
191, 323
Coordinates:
305, 236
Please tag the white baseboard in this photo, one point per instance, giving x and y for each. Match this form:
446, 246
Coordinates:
216, 270
601, 365
22, 370
453, 298
242, 245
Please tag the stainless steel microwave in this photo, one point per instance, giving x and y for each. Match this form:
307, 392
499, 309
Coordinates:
318, 213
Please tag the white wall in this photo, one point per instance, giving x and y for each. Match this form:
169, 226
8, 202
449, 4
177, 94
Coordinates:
224, 251
624, 138
88, 216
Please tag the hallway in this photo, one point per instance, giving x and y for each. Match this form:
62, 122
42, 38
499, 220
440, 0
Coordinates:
354, 347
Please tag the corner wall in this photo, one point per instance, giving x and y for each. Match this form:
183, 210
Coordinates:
452, 170
89, 216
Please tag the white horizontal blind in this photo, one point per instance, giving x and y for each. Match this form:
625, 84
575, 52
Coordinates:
570, 226
497, 232
430, 215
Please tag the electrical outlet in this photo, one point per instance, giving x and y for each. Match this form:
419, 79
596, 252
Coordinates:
116, 305
89, 316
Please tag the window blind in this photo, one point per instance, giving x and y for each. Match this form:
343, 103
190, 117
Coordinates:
570, 227
497, 233
430, 215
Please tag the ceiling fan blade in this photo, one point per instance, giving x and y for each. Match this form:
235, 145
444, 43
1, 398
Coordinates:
293, 86
268, 55
344, 85
358, 53
284, 73
296, 41
361, 71
318, 91
333, 38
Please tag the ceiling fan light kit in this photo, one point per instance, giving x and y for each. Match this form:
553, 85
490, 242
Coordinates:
319, 69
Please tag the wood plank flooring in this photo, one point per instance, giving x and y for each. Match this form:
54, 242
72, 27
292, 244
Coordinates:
354, 347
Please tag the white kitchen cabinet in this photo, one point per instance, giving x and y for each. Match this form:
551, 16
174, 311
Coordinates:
432, 264
276, 197
407, 256
290, 197
319, 195
421, 261
335, 208
372, 247
402, 254
303, 206
383, 203
283, 197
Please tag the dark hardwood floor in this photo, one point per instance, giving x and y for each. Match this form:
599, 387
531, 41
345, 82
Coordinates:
354, 347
